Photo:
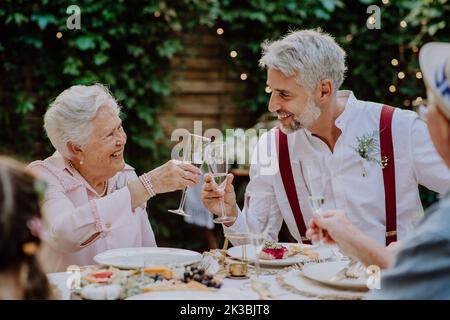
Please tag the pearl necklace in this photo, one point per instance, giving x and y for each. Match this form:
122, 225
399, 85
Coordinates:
105, 188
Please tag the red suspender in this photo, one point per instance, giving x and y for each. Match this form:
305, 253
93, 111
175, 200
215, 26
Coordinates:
284, 164
387, 150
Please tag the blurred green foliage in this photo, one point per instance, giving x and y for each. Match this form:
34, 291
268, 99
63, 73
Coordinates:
128, 45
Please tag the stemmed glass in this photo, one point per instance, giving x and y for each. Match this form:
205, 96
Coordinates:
257, 210
217, 161
316, 176
193, 153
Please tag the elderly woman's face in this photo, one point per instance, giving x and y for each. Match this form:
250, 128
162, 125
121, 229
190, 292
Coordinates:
103, 155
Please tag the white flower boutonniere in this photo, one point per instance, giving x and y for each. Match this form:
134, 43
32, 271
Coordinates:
368, 148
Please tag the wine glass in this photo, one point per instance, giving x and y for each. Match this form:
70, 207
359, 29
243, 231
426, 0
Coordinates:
193, 153
217, 161
316, 176
257, 211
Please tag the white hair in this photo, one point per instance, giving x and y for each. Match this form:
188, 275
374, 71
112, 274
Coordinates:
309, 55
69, 117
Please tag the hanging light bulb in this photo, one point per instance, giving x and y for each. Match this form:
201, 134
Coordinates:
233, 54
419, 75
268, 90
401, 75
392, 88
243, 76
394, 62
403, 24
219, 31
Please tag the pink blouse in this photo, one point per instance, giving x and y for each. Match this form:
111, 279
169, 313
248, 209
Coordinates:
79, 223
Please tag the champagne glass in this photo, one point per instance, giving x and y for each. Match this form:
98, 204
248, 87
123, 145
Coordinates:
217, 161
193, 153
257, 211
316, 176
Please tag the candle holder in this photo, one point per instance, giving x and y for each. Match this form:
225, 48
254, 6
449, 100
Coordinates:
238, 269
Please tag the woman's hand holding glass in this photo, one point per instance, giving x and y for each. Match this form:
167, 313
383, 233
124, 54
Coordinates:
193, 156
174, 175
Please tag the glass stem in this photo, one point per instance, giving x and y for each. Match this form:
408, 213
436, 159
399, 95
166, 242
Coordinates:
183, 200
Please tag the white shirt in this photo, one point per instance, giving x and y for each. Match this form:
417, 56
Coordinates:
362, 197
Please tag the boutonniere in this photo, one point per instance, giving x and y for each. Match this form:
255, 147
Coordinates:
368, 149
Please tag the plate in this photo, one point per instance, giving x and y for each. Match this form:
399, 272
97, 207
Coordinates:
324, 273
237, 252
133, 258
222, 294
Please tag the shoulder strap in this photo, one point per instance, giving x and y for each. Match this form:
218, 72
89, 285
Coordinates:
387, 153
284, 164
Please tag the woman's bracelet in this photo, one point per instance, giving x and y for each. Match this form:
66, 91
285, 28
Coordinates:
145, 180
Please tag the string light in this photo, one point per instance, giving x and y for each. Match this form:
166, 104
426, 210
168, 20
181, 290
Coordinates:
349, 37
243, 76
59, 35
219, 31
233, 54
268, 90
385, 1
392, 88
401, 75
415, 49
157, 14
394, 62
419, 75
406, 103
403, 24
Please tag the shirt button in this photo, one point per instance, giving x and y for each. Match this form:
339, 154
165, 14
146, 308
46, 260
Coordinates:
108, 225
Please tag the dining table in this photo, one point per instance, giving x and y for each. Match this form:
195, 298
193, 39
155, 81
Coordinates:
272, 282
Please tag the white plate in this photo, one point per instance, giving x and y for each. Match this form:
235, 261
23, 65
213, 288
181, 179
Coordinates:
236, 252
132, 258
324, 273
222, 294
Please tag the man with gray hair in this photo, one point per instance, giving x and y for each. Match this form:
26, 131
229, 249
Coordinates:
369, 157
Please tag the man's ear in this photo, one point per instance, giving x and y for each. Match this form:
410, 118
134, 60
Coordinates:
75, 151
325, 90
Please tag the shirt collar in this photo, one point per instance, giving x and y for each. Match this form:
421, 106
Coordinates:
346, 115
343, 118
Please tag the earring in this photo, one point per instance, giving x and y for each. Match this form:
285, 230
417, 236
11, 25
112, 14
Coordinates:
81, 162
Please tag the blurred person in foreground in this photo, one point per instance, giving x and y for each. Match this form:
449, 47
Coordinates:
94, 200
421, 267
21, 276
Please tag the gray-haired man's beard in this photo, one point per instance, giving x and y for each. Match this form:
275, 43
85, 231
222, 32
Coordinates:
305, 120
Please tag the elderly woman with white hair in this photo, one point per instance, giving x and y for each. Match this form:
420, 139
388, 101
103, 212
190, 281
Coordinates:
94, 200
